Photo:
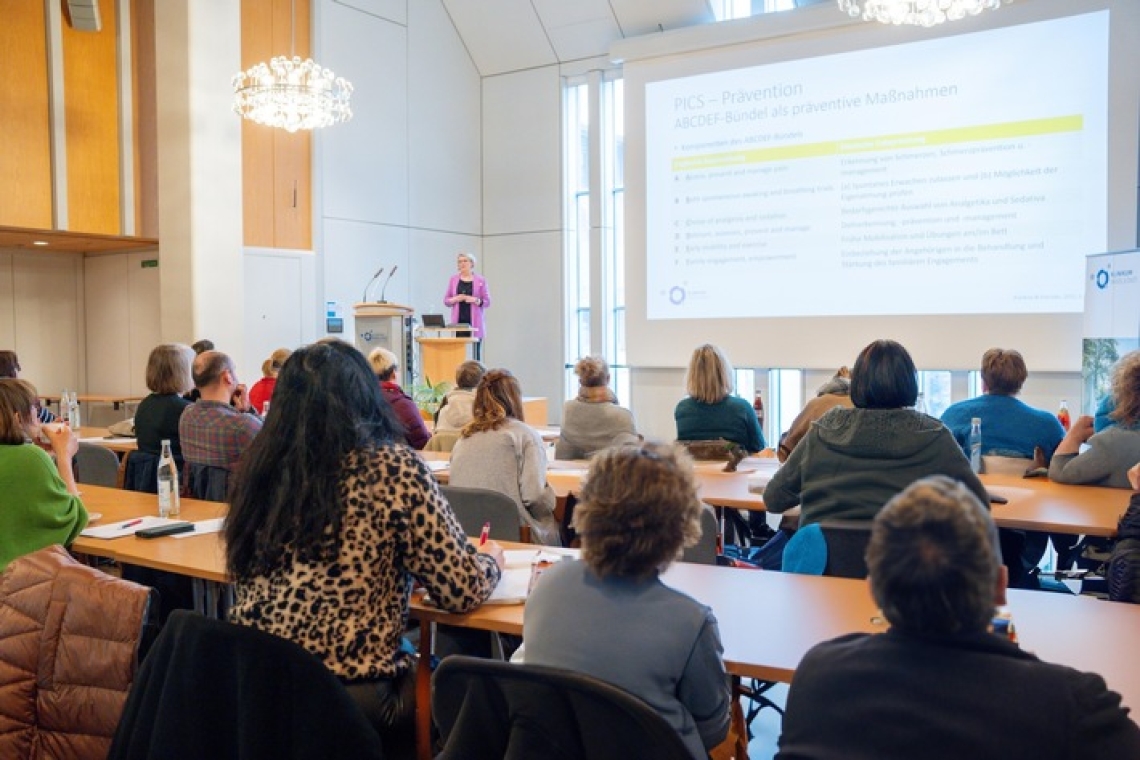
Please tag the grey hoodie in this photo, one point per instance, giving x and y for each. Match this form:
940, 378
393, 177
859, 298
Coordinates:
853, 461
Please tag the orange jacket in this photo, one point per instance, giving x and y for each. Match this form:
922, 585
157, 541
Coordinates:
69, 637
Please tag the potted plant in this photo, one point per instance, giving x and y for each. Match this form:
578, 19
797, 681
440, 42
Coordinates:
429, 396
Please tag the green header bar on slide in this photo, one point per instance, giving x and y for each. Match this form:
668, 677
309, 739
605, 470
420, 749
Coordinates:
1008, 130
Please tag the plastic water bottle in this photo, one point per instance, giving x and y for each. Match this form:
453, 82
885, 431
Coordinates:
1063, 415
920, 403
73, 412
169, 502
974, 444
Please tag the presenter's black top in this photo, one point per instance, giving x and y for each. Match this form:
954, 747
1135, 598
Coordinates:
465, 289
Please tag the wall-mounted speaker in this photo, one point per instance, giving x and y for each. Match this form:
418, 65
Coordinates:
84, 15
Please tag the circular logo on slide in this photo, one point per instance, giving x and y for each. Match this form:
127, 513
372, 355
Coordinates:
1102, 279
676, 295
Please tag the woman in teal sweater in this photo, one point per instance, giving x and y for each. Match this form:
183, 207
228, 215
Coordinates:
711, 411
39, 501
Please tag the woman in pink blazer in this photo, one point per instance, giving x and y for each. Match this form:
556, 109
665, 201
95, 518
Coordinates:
467, 295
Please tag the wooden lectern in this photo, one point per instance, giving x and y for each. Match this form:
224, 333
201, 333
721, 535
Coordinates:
442, 353
386, 325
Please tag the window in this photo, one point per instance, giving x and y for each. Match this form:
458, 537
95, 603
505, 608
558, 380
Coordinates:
594, 260
724, 10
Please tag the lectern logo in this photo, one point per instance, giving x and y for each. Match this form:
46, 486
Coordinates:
1102, 279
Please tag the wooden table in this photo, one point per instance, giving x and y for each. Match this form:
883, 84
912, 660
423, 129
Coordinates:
1040, 504
99, 436
716, 487
201, 558
84, 398
769, 620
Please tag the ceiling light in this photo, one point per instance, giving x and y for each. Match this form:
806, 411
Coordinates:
916, 12
292, 94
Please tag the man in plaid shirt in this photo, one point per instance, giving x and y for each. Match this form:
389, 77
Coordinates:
217, 429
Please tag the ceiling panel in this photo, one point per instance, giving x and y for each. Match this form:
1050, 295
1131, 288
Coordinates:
638, 17
501, 35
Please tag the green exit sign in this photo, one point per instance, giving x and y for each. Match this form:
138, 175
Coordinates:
150, 264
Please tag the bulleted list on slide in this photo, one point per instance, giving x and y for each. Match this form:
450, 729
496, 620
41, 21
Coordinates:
904, 190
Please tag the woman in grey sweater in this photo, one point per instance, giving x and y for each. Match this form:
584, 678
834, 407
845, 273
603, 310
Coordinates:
500, 452
1112, 451
594, 420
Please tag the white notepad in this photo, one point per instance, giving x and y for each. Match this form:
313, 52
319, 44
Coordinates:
120, 529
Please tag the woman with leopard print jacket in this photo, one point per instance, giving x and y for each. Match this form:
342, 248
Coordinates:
331, 521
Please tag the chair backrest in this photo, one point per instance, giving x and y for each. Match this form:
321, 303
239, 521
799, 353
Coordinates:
219, 690
829, 547
140, 472
846, 546
476, 506
511, 710
704, 551
207, 482
993, 464
96, 465
442, 440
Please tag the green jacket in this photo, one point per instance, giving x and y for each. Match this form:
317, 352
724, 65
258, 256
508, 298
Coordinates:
36, 509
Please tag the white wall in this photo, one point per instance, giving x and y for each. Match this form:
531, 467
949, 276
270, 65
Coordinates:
400, 185
522, 226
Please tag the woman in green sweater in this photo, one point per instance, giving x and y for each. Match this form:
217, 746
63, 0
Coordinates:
39, 501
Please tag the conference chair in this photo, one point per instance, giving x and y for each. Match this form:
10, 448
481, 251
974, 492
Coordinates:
704, 551
229, 692
96, 466
474, 507
492, 710
207, 482
140, 472
829, 547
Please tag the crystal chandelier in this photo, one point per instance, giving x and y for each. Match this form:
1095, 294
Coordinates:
292, 94
916, 12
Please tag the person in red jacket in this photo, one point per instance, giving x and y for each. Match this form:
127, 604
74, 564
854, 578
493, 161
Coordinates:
384, 365
262, 390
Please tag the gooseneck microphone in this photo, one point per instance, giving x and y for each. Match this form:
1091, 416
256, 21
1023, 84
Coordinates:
384, 289
375, 277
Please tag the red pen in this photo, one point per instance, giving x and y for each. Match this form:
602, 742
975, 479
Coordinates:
130, 524
485, 533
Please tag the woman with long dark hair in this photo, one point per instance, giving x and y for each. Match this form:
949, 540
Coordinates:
331, 520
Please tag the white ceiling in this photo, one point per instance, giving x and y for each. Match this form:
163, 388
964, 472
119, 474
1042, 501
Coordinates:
509, 35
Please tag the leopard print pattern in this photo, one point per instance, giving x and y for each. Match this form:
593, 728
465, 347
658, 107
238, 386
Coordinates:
351, 612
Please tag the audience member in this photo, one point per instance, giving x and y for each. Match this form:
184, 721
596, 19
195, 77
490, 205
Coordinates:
10, 368
710, 411
168, 376
938, 684
1112, 451
457, 408
853, 460
330, 522
39, 500
217, 430
200, 347
610, 616
1013, 430
499, 451
1010, 428
835, 392
384, 365
262, 391
593, 420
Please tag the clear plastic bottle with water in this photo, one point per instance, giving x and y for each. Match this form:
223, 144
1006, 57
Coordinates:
169, 502
974, 444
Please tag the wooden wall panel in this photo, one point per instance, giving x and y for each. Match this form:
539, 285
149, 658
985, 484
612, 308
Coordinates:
90, 84
25, 147
144, 118
276, 166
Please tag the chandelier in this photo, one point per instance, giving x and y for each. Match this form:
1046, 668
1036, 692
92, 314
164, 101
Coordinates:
916, 12
292, 94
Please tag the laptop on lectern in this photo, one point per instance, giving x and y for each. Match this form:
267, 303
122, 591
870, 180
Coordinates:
434, 321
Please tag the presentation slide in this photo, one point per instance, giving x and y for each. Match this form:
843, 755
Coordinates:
958, 175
